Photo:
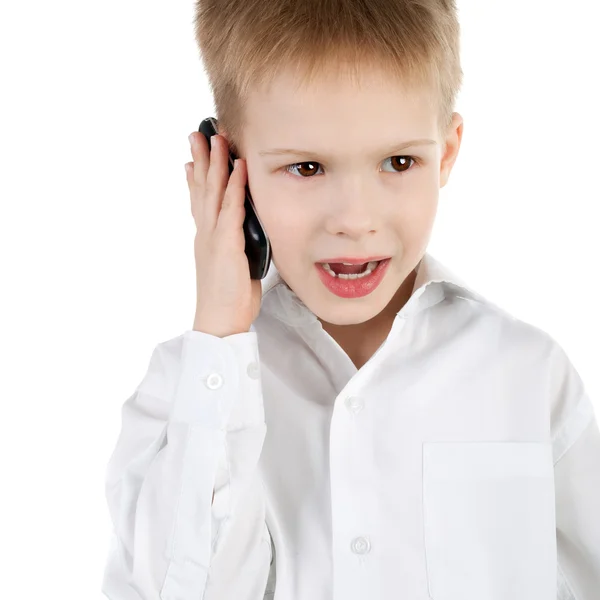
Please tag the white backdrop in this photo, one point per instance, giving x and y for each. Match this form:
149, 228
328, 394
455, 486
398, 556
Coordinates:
97, 236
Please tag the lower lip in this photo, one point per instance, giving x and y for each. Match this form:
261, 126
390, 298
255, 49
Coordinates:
354, 288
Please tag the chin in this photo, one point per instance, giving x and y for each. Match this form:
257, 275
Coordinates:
344, 314
345, 322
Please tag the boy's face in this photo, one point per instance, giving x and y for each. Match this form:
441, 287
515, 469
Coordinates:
352, 195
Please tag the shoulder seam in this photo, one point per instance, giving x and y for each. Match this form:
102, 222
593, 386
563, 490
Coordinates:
573, 428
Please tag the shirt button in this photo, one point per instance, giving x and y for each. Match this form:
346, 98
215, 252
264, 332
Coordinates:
360, 545
214, 381
354, 404
253, 370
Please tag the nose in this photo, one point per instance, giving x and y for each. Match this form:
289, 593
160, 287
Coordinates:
352, 212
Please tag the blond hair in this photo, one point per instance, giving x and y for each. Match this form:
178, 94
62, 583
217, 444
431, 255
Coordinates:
245, 43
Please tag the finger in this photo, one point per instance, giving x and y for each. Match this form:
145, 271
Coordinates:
200, 157
201, 197
189, 173
231, 216
216, 178
189, 176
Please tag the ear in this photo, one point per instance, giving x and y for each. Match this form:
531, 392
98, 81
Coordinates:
451, 147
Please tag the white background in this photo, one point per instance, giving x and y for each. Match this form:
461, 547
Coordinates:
97, 258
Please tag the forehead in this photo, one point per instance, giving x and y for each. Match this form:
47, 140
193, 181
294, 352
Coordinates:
335, 103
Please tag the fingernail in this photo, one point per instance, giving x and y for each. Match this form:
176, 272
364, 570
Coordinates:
191, 138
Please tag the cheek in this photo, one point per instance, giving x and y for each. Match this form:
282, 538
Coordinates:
289, 235
282, 218
416, 221
285, 234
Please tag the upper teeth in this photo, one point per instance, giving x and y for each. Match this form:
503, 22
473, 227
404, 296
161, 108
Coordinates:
367, 271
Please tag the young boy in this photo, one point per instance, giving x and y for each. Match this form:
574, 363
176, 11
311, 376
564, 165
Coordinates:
380, 436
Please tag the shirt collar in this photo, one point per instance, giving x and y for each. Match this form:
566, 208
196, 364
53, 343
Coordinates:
433, 283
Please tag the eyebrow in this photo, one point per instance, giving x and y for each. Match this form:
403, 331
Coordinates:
307, 153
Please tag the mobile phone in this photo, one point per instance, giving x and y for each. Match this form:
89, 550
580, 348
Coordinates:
258, 247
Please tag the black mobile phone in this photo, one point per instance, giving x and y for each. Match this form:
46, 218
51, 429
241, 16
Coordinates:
258, 247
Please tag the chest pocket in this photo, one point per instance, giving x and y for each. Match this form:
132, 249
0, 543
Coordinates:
489, 520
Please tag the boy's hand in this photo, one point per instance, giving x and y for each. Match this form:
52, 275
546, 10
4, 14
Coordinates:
228, 301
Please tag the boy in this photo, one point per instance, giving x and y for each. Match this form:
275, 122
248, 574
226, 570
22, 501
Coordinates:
338, 434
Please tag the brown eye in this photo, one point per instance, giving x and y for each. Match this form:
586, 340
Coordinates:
303, 172
402, 163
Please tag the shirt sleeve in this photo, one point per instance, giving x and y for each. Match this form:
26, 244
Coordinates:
194, 425
576, 449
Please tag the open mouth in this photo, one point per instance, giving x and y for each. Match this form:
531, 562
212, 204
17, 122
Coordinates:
353, 285
344, 271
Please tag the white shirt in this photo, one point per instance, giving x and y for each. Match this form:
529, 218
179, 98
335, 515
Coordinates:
461, 462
